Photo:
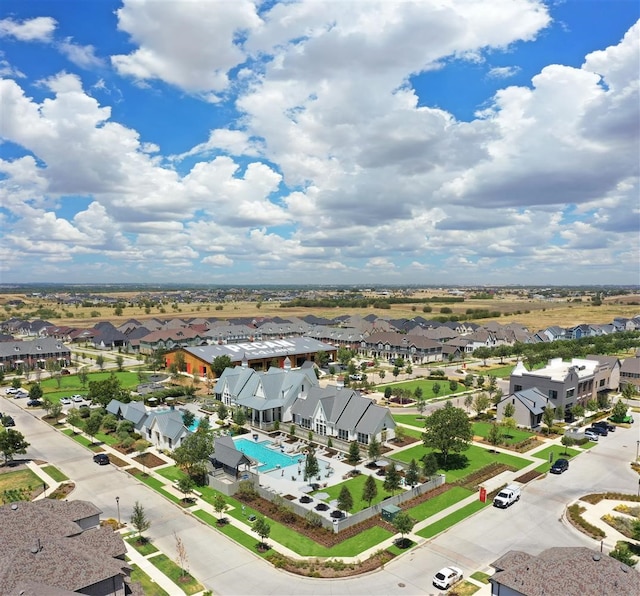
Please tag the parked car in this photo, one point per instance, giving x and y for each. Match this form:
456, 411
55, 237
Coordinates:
10, 390
101, 459
65, 401
559, 466
604, 424
65, 371
446, 577
603, 432
356, 377
20, 393
507, 496
8, 421
34, 403
591, 434
77, 398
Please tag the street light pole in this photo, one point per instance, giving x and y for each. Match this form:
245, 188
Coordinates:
118, 506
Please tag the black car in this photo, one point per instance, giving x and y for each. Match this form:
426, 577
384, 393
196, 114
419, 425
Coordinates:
604, 424
34, 403
600, 430
8, 421
559, 466
101, 458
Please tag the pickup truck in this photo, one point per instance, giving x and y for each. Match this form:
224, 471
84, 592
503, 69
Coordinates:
507, 496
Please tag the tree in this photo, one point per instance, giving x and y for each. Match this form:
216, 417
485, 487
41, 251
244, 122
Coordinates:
619, 411
468, 381
592, 405
430, 464
483, 353
468, 400
387, 392
100, 361
494, 436
567, 442
382, 374
409, 369
74, 419
481, 403
401, 433
102, 392
492, 386
509, 410
344, 356
262, 529
629, 391
577, 411
497, 398
453, 385
480, 381
12, 442
509, 424
311, 467
220, 363
181, 552
345, 500
395, 372
35, 392
240, 418
92, 426
353, 456
403, 524
548, 416
83, 377
219, 504
321, 358
559, 413
373, 450
222, 411
421, 404
369, 490
193, 453
139, 519
188, 418
411, 477
180, 361
435, 388
391, 479
447, 430
186, 486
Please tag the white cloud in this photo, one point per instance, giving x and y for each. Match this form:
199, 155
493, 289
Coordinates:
82, 56
36, 29
503, 72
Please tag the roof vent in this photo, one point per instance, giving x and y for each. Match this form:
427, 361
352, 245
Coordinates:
14, 506
596, 556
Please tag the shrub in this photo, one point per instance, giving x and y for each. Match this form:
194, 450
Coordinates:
575, 515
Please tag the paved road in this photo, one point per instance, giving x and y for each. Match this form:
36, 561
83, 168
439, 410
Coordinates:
532, 524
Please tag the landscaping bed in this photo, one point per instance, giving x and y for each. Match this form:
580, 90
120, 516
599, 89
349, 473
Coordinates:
63, 491
329, 568
149, 460
528, 476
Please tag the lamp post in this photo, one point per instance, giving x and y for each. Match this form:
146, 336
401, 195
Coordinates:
118, 506
637, 450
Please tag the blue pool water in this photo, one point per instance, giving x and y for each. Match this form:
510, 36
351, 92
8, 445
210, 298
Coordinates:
269, 458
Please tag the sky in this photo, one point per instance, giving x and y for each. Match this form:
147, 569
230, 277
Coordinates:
320, 142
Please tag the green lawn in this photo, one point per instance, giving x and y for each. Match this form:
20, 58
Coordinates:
477, 457
172, 571
355, 486
107, 439
452, 519
70, 384
80, 439
481, 429
19, 480
558, 451
442, 501
410, 419
500, 372
148, 585
146, 548
56, 474
427, 387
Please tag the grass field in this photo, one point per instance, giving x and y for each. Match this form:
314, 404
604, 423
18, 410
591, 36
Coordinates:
452, 519
426, 385
442, 501
534, 314
172, 571
476, 458
19, 480
56, 474
70, 384
481, 429
148, 585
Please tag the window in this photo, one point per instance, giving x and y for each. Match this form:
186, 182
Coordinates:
343, 435
553, 394
571, 392
321, 429
363, 438
517, 387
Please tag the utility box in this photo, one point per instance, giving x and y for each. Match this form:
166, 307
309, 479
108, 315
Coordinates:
389, 512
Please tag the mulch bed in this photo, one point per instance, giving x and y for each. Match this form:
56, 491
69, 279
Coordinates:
406, 441
528, 476
330, 568
150, 460
63, 491
116, 461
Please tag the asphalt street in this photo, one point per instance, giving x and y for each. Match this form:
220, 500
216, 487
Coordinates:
532, 524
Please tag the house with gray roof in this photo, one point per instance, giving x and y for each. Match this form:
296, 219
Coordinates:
164, 428
570, 571
343, 414
33, 353
390, 345
267, 397
228, 459
630, 372
529, 405
58, 547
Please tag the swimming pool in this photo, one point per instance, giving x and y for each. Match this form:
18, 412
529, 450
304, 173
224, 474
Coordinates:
269, 459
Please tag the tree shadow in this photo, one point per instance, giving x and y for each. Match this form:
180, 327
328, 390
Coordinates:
455, 461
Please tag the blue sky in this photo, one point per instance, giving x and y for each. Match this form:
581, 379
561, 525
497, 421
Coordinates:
352, 142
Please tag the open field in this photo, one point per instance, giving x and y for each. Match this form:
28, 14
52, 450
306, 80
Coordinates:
534, 314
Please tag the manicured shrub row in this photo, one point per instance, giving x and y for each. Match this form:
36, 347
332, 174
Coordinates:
597, 497
575, 516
